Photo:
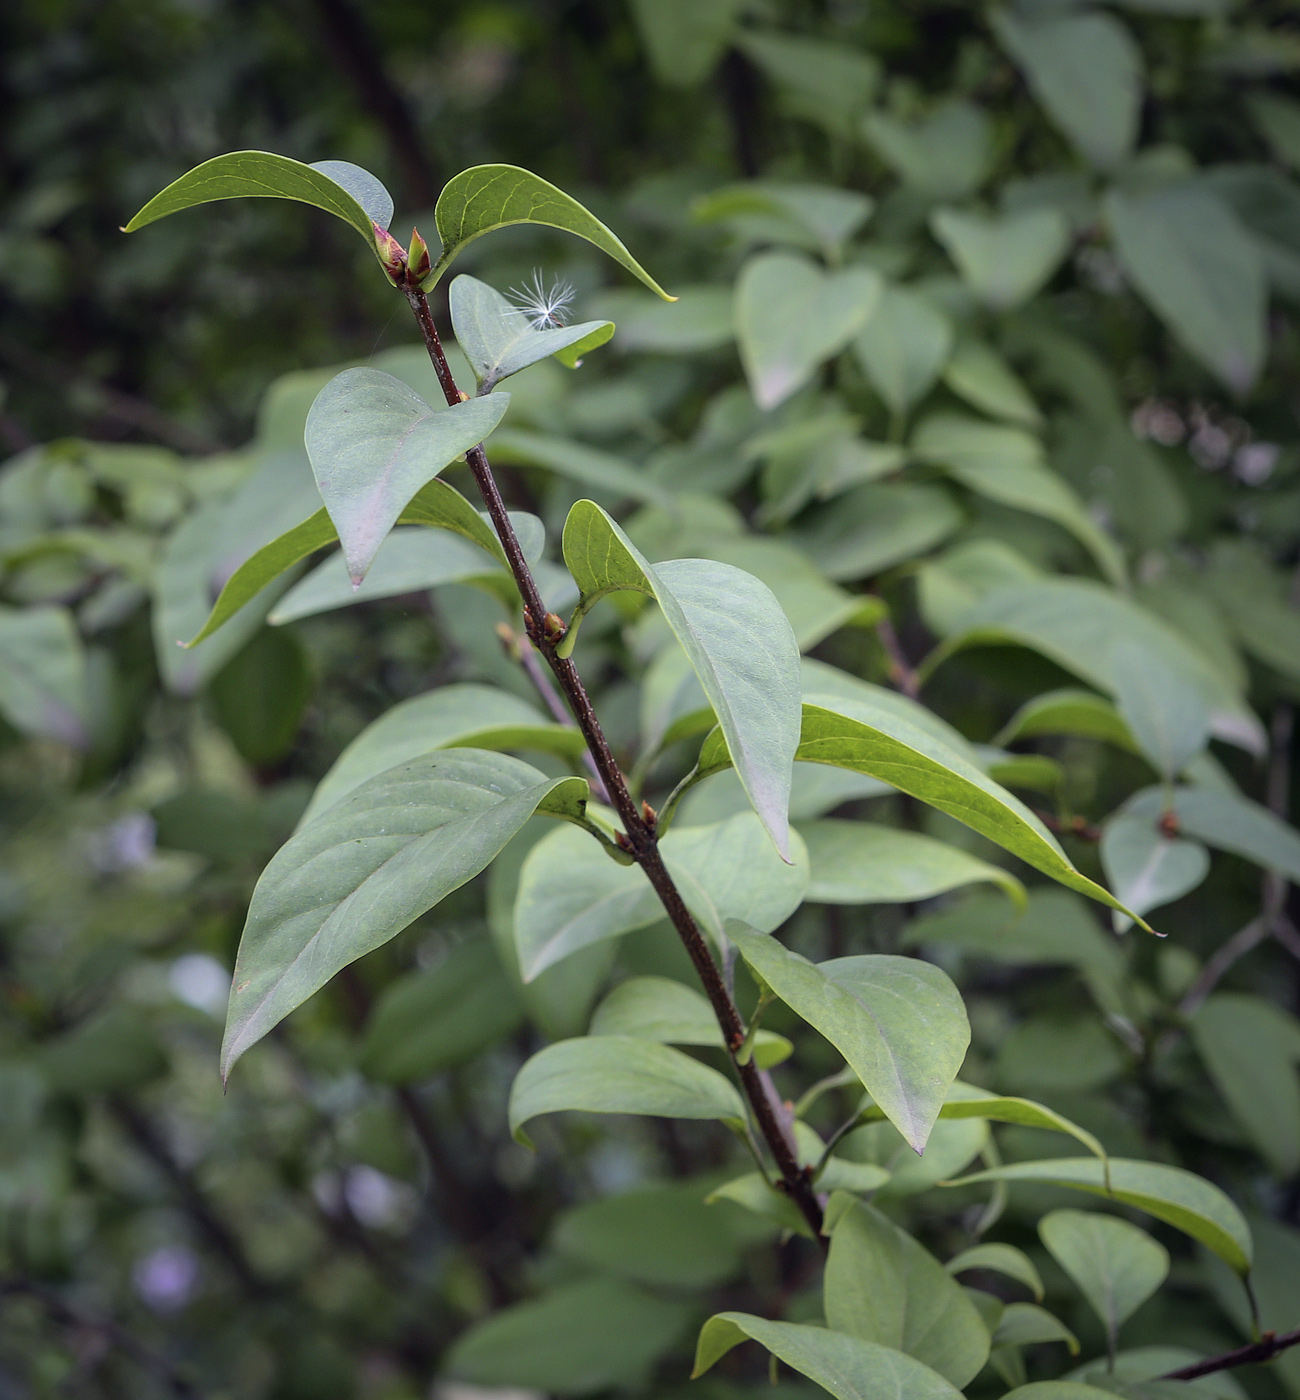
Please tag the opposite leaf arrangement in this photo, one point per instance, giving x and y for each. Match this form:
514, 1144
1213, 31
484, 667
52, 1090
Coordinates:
427, 798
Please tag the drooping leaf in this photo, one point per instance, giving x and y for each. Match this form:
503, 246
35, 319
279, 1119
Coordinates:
1179, 1198
873, 527
341, 189
1002, 1259
791, 317
578, 1339
1067, 712
1250, 1047
1086, 69
1116, 1266
899, 1022
737, 639
903, 346
465, 715
356, 876
945, 155
658, 1008
983, 378
374, 443
441, 1016
1147, 868
43, 680
488, 197
1005, 260
1169, 719
1200, 270
848, 1367
1224, 820
1025, 1325
499, 339
571, 894
863, 863
884, 1287
619, 1074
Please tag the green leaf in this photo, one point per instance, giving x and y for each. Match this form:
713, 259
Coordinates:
899, 1022
819, 217
738, 641
1007, 465
1002, 1259
882, 1286
753, 1193
983, 378
445, 1015
1006, 259
873, 527
601, 471
1077, 624
903, 347
361, 872
863, 863
619, 1074
1201, 272
1187, 1202
43, 679
1250, 1046
791, 317
499, 339
944, 156
453, 716
374, 443
1169, 720
1079, 712
658, 1008
1278, 120
848, 1367
951, 1147
1115, 1265
488, 197
685, 38
341, 189
665, 1236
1146, 868
1024, 1325
1226, 821
581, 1338
1055, 1390
700, 319
1086, 70
827, 83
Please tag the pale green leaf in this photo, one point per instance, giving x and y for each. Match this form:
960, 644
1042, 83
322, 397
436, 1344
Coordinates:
848, 1367
1179, 1198
374, 443
601, 471
951, 1147
1065, 711
983, 378
791, 317
818, 217
1146, 868
1169, 720
360, 873
1023, 1325
882, 1286
1002, 1259
945, 155
1007, 258
875, 526
1115, 1265
685, 38
1226, 821
899, 1022
619, 1074
903, 347
488, 197
753, 1193
827, 83
738, 641
43, 678
864, 863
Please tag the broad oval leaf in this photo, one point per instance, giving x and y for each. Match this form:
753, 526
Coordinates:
43, 680
1115, 1265
904, 345
1026, 1324
1225, 821
884, 1287
453, 716
374, 442
499, 338
978, 374
899, 1022
1168, 719
1147, 868
1179, 1198
791, 317
848, 1367
864, 863
351, 880
341, 189
944, 155
1004, 260
875, 526
1002, 1259
488, 197
619, 1074
739, 642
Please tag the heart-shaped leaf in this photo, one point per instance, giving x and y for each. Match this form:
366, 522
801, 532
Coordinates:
737, 638
1116, 1266
903, 346
791, 317
1005, 259
373, 443
358, 875
488, 197
899, 1022
619, 1074
499, 337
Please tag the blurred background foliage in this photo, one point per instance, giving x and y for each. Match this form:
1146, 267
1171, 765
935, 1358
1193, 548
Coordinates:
331, 1225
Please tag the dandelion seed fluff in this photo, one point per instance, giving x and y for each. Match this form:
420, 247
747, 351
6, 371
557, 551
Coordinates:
546, 308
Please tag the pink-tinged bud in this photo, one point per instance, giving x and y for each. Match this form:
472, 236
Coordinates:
392, 255
417, 258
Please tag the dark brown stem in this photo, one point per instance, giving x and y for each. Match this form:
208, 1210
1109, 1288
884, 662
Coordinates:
766, 1107
901, 671
1268, 1346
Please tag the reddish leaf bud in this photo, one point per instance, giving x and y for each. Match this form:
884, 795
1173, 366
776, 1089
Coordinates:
555, 628
417, 258
649, 815
391, 254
